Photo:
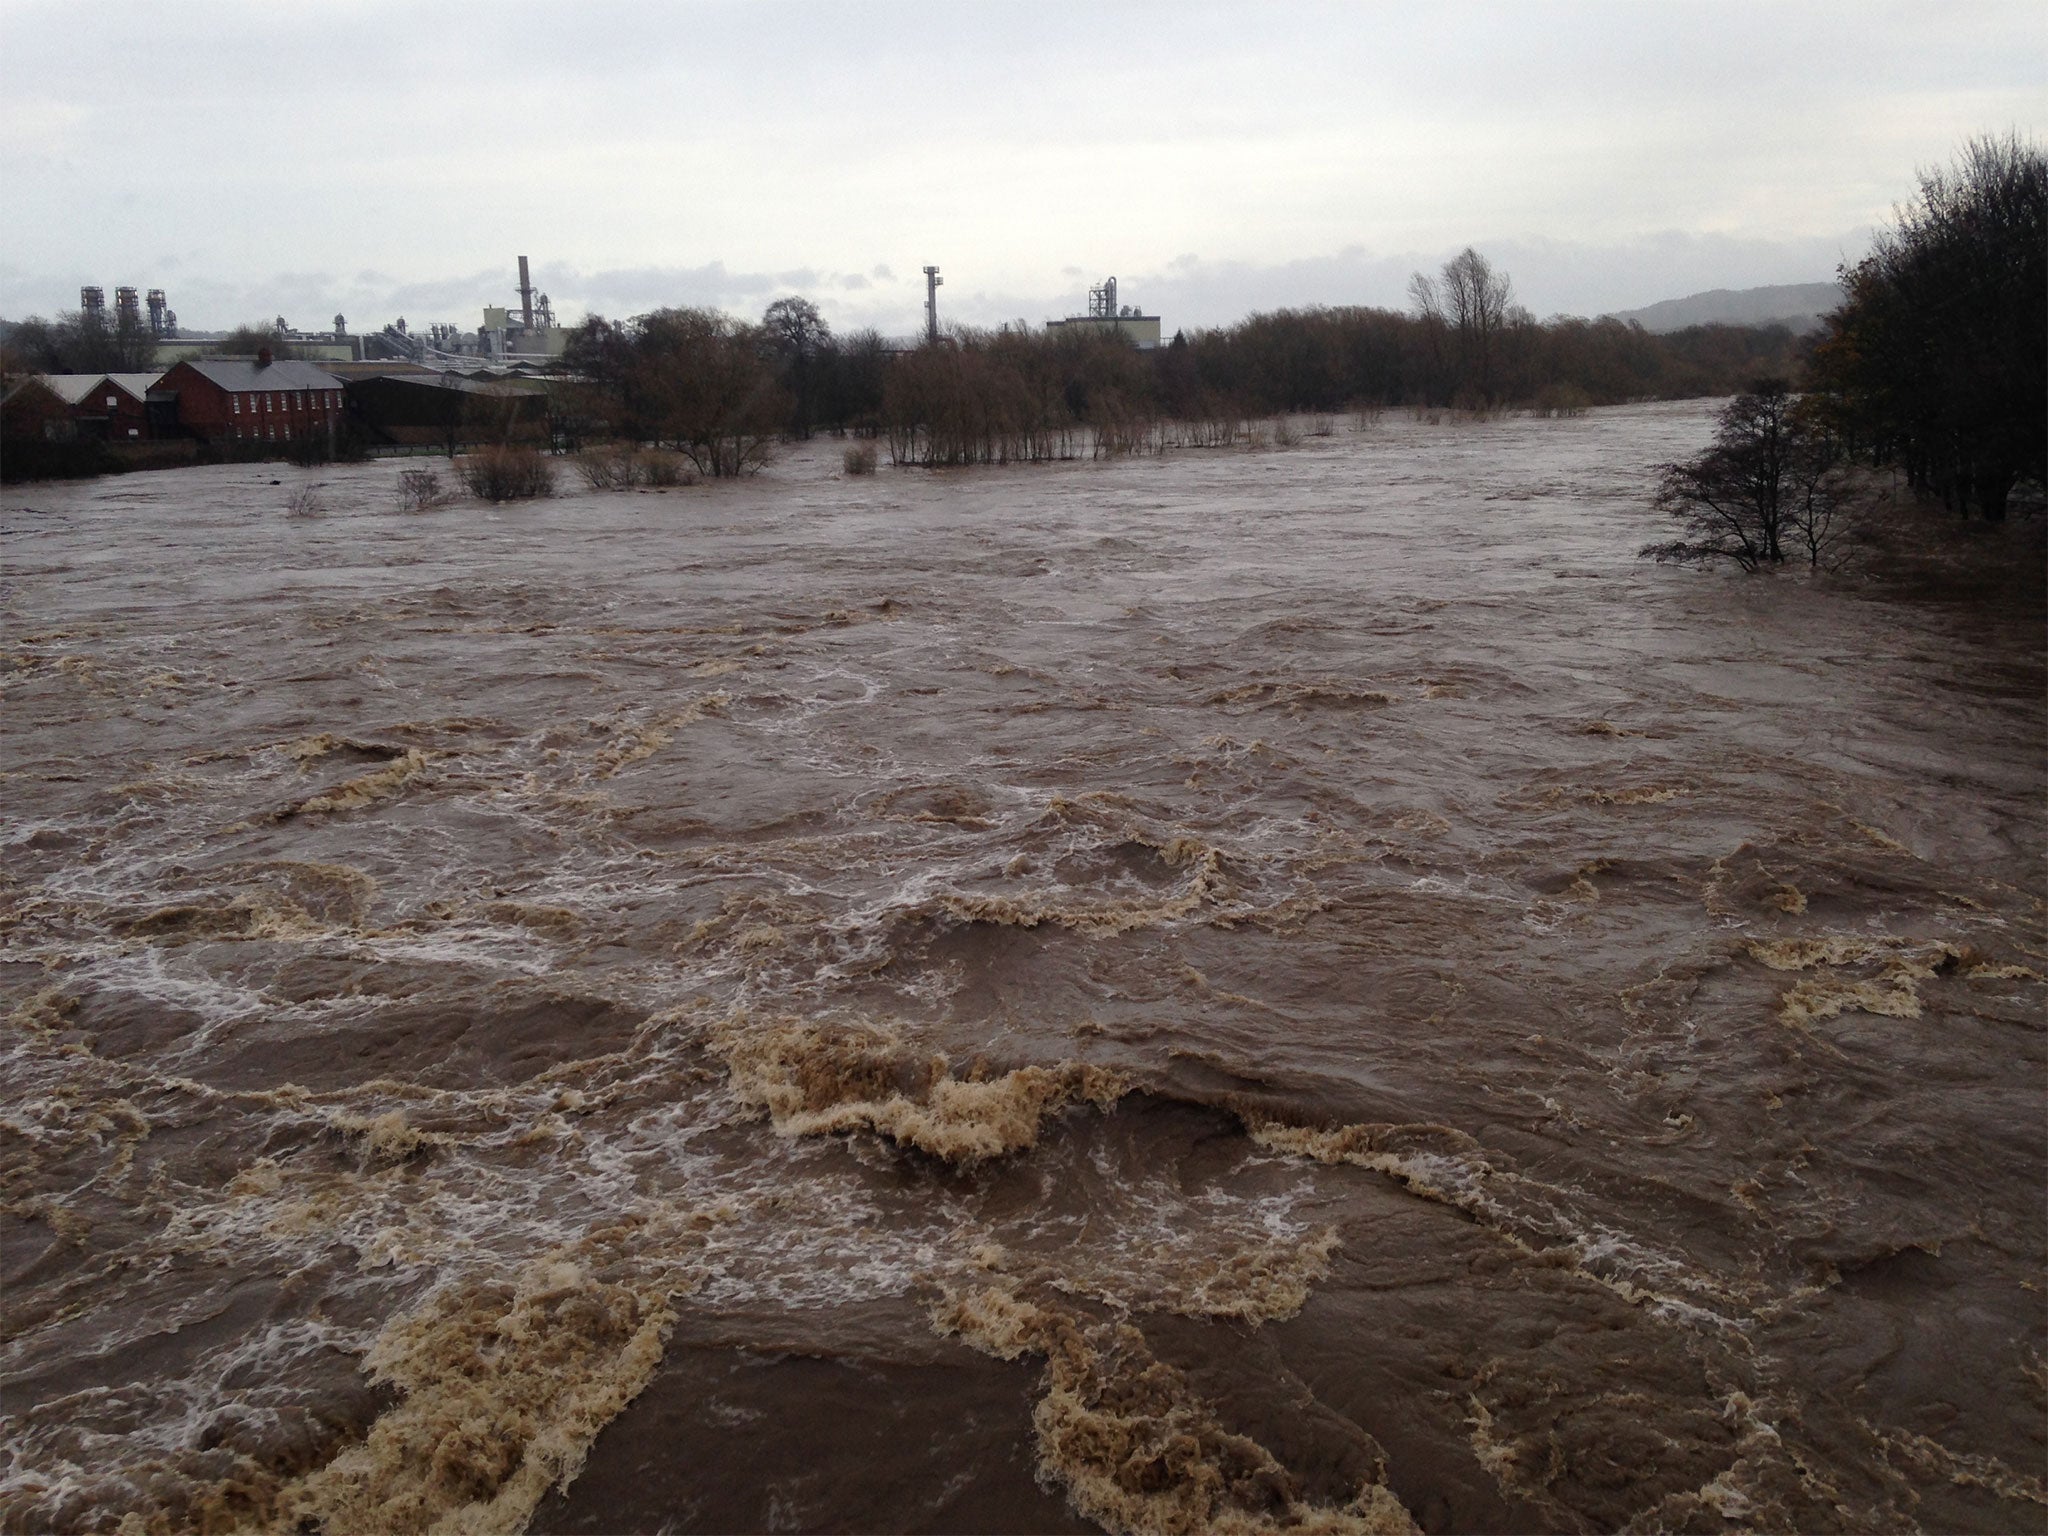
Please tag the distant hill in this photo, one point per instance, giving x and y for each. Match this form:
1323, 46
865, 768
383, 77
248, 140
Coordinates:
1798, 306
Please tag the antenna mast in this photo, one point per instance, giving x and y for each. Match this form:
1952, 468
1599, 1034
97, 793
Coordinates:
931, 303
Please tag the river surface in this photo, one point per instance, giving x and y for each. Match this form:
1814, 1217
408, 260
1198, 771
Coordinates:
1245, 989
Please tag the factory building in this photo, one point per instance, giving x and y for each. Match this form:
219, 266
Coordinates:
411, 407
510, 336
110, 407
248, 399
1106, 317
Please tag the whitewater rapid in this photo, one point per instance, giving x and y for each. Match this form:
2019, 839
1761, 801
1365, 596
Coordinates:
1301, 987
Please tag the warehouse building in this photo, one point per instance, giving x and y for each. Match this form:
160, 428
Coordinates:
248, 399
108, 407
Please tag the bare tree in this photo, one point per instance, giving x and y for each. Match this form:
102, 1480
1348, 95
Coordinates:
708, 389
84, 341
1769, 481
248, 340
1468, 303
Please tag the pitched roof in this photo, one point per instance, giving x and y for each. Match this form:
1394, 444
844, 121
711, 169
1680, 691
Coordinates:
243, 373
137, 384
27, 388
71, 388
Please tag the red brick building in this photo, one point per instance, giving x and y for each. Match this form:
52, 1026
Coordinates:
31, 409
109, 406
252, 399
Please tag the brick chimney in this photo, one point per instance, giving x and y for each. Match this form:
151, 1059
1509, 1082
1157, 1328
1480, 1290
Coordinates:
263, 357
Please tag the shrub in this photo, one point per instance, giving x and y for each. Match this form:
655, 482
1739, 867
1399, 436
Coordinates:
1560, 399
313, 448
37, 458
859, 459
420, 490
506, 474
612, 468
659, 467
304, 501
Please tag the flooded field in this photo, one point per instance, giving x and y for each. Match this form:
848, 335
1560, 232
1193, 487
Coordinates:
1303, 988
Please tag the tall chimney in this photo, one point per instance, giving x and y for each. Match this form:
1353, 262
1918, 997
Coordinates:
525, 296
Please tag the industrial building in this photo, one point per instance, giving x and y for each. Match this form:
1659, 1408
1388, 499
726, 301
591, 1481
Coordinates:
412, 407
163, 320
111, 407
242, 399
510, 336
526, 335
1104, 316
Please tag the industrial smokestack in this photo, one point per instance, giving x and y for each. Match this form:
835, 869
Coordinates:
932, 280
525, 296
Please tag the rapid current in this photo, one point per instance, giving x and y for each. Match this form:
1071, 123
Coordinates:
1304, 988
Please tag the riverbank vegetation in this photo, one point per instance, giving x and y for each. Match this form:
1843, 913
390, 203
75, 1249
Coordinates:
1935, 366
1937, 363
722, 392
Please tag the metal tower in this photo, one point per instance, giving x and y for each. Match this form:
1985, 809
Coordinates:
931, 303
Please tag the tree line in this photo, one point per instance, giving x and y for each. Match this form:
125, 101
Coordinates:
1937, 362
722, 390
95, 341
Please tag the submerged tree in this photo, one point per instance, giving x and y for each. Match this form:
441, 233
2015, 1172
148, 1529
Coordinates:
1769, 484
691, 377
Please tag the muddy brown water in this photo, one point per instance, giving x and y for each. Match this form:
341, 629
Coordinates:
1245, 989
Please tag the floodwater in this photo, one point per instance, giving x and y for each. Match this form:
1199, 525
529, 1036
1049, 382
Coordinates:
1296, 988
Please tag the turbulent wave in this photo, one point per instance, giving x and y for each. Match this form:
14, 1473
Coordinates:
923, 1003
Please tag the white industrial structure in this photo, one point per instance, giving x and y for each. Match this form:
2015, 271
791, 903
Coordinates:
1104, 314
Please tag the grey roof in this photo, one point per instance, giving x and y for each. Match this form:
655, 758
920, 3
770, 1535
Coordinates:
243, 373
72, 387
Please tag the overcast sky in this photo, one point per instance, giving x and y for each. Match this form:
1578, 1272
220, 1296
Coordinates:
386, 159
